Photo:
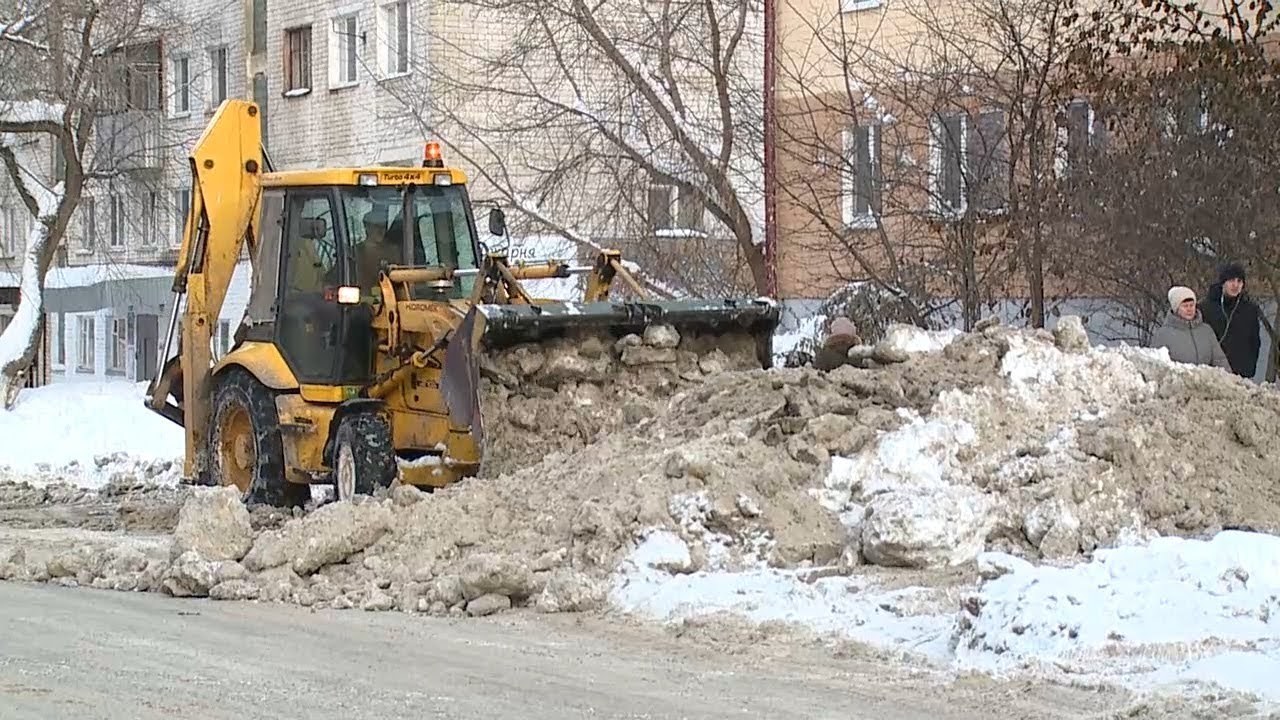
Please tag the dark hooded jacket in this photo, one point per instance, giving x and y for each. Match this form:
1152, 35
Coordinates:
1236, 322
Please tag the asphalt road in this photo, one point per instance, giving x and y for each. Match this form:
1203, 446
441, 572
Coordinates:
78, 653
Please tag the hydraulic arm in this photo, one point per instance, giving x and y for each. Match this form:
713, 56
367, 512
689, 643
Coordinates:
226, 185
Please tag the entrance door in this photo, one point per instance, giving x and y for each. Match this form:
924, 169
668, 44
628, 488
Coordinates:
146, 345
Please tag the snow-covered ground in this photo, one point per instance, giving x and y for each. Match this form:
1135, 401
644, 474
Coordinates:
1163, 616
1155, 613
86, 431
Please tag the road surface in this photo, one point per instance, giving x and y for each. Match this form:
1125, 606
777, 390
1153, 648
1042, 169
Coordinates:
79, 653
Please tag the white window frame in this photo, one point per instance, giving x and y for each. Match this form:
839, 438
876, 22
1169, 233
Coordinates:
218, 55
86, 347
149, 202
117, 218
849, 6
89, 224
181, 206
1061, 160
220, 344
9, 232
849, 158
388, 36
936, 137
344, 51
677, 228
118, 350
181, 102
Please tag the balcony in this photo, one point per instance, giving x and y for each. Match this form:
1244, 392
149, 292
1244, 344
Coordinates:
129, 141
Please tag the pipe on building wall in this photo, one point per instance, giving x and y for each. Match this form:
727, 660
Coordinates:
770, 160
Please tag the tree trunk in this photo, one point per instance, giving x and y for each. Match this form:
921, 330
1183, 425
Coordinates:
756, 262
21, 340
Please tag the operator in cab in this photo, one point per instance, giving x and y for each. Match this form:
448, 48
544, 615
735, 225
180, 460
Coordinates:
380, 244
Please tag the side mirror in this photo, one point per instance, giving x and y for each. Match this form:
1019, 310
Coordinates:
497, 222
313, 228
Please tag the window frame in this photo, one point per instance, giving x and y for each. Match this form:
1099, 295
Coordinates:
297, 58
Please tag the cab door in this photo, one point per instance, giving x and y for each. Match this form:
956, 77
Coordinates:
309, 330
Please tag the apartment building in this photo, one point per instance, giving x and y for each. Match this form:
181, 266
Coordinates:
892, 158
109, 299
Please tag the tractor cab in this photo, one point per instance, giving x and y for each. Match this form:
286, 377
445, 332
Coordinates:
324, 237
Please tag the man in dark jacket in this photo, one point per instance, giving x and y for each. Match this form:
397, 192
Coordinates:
1235, 320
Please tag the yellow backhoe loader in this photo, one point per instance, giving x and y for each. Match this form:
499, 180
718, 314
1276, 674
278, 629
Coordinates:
370, 304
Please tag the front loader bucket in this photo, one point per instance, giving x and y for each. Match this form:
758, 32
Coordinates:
514, 375
742, 329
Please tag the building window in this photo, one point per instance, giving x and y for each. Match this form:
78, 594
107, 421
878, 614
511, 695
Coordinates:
297, 61
85, 347
393, 38
181, 85
856, 5
181, 207
60, 339
217, 77
1079, 133
970, 162
89, 218
222, 340
674, 211
119, 344
343, 52
9, 232
149, 219
860, 179
117, 221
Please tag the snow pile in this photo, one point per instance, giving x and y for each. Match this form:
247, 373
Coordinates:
1213, 607
89, 434
1067, 451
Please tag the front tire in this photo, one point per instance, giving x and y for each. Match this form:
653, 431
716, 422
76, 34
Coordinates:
363, 458
245, 448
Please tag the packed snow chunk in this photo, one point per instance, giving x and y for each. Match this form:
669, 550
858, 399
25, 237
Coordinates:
114, 435
492, 574
923, 528
1069, 334
193, 576
329, 535
918, 455
842, 606
214, 523
1131, 609
911, 339
663, 550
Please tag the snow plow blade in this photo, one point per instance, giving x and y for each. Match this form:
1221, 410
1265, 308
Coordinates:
595, 342
696, 321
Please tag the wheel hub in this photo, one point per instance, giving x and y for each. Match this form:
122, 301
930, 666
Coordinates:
346, 473
237, 448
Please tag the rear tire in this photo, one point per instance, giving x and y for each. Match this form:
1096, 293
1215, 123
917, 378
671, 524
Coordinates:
363, 459
245, 449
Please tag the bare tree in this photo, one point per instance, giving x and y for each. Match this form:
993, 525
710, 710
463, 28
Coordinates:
1187, 99
922, 151
636, 126
66, 121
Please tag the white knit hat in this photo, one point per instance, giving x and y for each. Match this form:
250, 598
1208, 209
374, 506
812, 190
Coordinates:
1179, 295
